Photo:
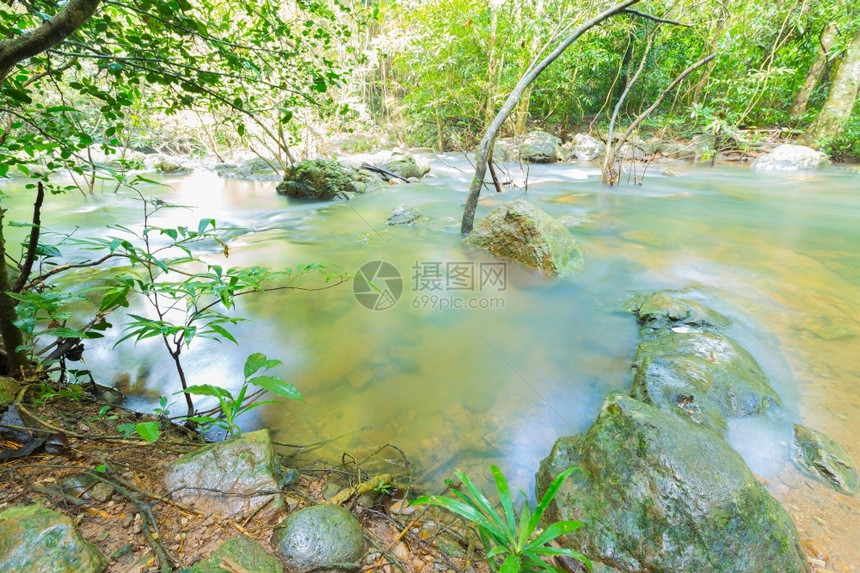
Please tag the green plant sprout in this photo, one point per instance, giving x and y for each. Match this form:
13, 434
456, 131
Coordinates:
231, 407
505, 538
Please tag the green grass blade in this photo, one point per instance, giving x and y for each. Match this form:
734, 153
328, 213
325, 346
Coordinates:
482, 503
505, 499
523, 531
548, 497
512, 564
557, 529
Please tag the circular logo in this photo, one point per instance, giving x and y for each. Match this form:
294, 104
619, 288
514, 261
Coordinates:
377, 285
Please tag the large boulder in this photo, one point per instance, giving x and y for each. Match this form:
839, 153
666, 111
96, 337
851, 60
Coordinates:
320, 538
701, 376
823, 459
324, 179
34, 538
587, 147
540, 147
232, 478
401, 163
520, 231
791, 158
658, 493
534, 147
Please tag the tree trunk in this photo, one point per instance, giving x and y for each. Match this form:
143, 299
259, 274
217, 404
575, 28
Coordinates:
489, 139
816, 70
52, 31
840, 101
12, 338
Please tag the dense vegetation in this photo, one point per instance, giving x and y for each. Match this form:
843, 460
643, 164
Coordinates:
91, 77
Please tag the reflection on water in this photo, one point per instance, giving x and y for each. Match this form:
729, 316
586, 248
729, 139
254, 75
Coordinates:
470, 387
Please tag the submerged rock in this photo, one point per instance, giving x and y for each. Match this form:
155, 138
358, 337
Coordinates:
658, 493
34, 538
324, 179
240, 553
791, 158
823, 459
232, 478
320, 538
403, 215
705, 377
520, 231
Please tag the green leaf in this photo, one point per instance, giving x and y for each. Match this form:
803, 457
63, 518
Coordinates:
223, 332
557, 529
512, 564
254, 363
276, 385
204, 224
206, 390
548, 497
113, 298
504, 497
148, 431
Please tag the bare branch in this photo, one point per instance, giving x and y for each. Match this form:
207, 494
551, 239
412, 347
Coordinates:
656, 18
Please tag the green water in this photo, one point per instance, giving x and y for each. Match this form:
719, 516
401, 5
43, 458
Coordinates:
464, 388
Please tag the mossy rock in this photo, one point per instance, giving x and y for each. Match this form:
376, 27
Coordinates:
9, 388
701, 376
235, 477
823, 459
320, 538
239, 553
667, 310
659, 493
520, 231
324, 179
34, 538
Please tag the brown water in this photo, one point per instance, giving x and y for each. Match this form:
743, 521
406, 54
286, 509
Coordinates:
465, 388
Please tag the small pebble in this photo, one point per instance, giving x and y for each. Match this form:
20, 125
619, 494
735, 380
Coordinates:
127, 520
137, 528
183, 522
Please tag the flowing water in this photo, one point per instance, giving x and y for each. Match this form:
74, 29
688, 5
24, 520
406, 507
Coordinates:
524, 359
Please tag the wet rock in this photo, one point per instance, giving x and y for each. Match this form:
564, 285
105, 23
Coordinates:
34, 538
791, 158
402, 163
87, 487
540, 147
320, 538
657, 493
505, 150
663, 311
520, 231
587, 147
629, 151
239, 553
256, 169
171, 167
9, 389
324, 179
705, 377
403, 215
232, 478
823, 459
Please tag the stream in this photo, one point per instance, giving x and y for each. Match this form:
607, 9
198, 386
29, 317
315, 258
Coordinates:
480, 363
